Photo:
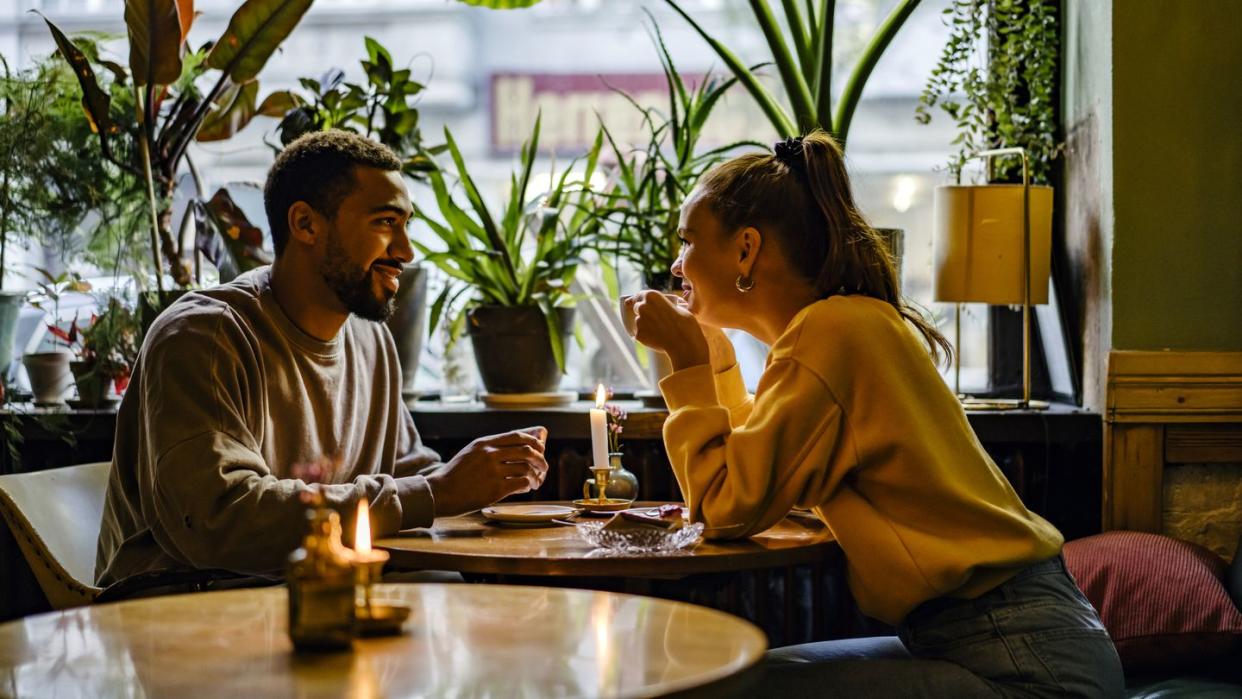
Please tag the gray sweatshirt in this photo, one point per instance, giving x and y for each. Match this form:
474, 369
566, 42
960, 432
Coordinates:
227, 396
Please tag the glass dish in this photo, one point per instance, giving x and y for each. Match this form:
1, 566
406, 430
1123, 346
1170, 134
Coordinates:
644, 540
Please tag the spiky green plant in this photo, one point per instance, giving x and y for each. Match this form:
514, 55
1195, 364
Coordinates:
526, 256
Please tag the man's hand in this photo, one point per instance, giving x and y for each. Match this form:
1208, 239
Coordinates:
490, 469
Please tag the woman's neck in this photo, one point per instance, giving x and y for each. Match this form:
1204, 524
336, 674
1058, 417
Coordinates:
772, 313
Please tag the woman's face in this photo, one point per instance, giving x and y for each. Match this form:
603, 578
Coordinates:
708, 264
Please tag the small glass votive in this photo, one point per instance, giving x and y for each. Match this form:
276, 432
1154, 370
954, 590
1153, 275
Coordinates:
374, 618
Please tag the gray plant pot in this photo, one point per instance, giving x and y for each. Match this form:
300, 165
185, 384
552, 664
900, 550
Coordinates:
408, 324
50, 376
10, 308
512, 348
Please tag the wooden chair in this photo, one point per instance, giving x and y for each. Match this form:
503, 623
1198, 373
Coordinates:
55, 517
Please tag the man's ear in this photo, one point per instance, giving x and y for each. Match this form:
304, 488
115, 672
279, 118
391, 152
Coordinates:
305, 224
749, 243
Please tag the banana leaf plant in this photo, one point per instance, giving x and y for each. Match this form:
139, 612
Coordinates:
167, 77
528, 255
650, 182
226, 236
802, 53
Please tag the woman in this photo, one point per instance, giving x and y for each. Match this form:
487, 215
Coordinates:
852, 420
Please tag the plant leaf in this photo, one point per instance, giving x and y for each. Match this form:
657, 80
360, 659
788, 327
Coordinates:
866, 63
95, 102
501, 4
254, 32
155, 41
236, 107
776, 115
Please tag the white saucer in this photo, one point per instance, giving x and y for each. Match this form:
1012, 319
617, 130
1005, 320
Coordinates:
528, 400
527, 514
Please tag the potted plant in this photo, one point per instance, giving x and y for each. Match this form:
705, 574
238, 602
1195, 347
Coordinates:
650, 182
510, 274
165, 77
806, 73
1009, 101
384, 108
108, 348
996, 79
49, 372
49, 181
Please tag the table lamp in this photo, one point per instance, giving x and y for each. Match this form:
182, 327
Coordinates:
992, 244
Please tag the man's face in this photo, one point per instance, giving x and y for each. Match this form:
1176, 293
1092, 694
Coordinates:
366, 244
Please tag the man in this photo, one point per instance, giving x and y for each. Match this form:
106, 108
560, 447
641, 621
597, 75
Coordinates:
289, 365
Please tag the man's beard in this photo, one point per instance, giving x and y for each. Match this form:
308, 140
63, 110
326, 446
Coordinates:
352, 284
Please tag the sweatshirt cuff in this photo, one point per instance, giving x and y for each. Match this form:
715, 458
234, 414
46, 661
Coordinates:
418, 507
730, 388
693, 387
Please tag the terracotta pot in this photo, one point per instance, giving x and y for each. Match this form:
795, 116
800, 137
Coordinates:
49, 374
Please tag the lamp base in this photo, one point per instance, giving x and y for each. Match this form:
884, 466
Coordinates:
1001, 404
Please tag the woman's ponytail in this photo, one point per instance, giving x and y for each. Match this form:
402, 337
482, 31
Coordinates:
802, 192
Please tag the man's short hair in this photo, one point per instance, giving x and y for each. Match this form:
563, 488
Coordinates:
318, 168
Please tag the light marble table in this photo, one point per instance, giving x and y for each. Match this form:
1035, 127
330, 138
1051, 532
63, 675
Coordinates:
461, 641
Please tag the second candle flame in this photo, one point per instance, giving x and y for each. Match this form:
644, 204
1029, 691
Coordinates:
601, 395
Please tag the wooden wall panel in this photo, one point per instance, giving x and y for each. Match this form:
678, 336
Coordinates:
1165, 407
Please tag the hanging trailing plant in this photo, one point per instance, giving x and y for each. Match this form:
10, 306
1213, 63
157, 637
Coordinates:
996, 79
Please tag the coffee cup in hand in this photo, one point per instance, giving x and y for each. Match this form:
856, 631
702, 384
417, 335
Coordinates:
628, 319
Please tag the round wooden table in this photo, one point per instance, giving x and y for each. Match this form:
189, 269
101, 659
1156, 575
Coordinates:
471, 544
461, 640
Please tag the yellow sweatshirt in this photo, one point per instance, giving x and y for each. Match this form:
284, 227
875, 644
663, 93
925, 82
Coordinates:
852, 420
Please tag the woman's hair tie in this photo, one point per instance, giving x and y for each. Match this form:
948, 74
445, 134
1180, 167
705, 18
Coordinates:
789, 152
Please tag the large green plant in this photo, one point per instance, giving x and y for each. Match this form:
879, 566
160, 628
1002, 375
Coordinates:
802, 54
996, 80
172, 109
651, 181
49, 179
528, 255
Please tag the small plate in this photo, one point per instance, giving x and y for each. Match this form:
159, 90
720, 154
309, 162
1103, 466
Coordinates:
528, 514
608, 505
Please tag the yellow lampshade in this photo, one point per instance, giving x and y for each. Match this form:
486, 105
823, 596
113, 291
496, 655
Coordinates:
977, 243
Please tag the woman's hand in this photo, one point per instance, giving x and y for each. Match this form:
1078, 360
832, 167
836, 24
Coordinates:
668, 326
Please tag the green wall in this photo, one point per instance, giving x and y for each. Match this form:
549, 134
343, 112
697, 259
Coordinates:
1177, 175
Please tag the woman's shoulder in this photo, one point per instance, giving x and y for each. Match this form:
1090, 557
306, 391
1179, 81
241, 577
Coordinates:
841, 319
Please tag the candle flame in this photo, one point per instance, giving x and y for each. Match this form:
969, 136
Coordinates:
601, 395
362, 532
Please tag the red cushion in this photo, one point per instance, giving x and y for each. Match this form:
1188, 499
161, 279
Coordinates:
1162, 600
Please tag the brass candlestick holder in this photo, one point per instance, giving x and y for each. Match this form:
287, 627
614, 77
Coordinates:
602, 476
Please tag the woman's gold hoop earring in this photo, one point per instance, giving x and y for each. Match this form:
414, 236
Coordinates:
744, 284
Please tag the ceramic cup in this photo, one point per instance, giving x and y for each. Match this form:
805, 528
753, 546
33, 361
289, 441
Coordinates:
627, 311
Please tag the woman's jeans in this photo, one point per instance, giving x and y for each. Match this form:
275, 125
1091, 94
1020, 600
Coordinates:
1035, 635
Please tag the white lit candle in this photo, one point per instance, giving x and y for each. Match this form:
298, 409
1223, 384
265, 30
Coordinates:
599, 429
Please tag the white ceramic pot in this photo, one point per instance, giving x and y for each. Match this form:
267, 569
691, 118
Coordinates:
50, 376
10, 306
